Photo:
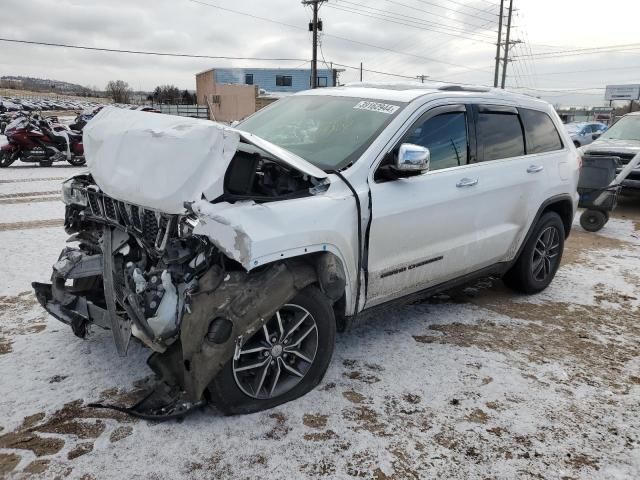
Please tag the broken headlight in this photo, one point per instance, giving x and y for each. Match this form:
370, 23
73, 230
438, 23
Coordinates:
73, 193
186, 226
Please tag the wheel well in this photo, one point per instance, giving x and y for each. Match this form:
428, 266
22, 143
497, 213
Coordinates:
564, 209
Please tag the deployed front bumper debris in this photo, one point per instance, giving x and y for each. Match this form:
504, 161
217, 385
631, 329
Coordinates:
161, 402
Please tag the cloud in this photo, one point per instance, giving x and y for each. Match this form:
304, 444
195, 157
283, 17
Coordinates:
182, 26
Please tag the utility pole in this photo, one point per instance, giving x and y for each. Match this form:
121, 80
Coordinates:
505, 62
314, 26
360, 71
422, 78
498, 44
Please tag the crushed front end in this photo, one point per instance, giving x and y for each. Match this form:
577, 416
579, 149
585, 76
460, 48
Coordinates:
144, 274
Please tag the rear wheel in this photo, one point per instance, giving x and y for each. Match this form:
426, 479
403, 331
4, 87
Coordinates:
540, 258
284, 360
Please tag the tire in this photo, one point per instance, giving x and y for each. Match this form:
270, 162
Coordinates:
593, 220
231, 391
77, 161
540, 258
6, 159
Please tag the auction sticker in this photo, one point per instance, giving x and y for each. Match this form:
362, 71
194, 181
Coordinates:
377, 107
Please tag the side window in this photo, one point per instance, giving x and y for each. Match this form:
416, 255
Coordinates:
542, 135
445, 135
499, 136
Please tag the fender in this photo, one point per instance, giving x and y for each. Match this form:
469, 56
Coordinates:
257, 235
547, 205
10, 147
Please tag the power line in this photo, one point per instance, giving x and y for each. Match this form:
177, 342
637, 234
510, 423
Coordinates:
143, 52
466, 5
462, 22
634, 67
409, 23
447, 8
591, 50
357, 42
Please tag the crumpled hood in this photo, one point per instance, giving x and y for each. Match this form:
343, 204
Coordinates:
161, 161
611, 145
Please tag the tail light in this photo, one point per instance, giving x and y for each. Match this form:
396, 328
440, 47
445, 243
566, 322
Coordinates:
579, 162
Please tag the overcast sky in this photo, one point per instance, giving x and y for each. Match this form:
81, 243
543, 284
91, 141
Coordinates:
461, 48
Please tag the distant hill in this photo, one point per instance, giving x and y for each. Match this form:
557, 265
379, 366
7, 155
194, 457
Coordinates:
41, 85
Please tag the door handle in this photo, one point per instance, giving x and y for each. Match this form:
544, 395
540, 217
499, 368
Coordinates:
535, 168
467, 182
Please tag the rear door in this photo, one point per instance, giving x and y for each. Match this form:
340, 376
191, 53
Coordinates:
511, 184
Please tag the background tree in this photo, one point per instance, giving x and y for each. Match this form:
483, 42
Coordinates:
187, 99
119, 91
167, 95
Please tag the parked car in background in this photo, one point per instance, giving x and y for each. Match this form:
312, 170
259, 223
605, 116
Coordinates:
583, 133
621, 140
236, 254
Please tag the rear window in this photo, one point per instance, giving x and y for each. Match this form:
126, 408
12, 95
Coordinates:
499, 136
542, 135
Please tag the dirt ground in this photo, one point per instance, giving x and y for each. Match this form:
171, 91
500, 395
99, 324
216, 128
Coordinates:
476, 383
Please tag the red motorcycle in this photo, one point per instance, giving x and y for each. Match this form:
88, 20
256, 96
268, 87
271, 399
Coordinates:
34, 139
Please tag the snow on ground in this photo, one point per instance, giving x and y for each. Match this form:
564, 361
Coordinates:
16, 212
478, 383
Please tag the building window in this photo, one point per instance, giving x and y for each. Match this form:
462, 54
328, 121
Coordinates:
322, 81
248, 78
284, 80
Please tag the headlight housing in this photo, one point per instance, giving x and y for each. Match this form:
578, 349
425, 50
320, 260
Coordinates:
73, 193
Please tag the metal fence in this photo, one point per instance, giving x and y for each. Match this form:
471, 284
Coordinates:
196, 111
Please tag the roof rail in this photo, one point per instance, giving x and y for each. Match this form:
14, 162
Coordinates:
462, 88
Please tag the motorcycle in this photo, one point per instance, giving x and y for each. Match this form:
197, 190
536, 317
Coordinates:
83, 118
32, 138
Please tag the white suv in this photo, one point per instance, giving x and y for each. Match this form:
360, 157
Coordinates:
236, 253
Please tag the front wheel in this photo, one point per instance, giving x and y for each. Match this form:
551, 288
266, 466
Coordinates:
540, 258
6, 159
283, 361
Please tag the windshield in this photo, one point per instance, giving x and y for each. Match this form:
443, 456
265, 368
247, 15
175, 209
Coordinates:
329, 132
627, 128
16, 123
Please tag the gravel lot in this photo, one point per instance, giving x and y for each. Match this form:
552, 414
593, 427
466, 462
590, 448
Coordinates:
479, 383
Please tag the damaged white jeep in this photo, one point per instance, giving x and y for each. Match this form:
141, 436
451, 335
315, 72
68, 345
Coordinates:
235, 254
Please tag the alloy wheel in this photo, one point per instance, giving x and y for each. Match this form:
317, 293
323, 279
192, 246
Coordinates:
278, 356
545, 254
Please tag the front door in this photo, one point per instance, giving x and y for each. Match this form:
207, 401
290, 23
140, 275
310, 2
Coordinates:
422, 227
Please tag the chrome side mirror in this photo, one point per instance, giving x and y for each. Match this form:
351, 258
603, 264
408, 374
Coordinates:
412, 158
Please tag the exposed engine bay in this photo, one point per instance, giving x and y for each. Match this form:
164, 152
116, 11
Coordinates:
253, 174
